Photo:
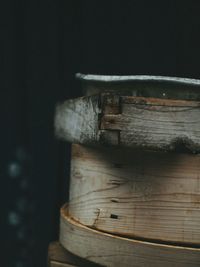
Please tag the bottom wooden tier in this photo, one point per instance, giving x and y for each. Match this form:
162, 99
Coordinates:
60, 257
111, 250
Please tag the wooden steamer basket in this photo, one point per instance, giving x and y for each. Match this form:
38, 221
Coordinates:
135, 169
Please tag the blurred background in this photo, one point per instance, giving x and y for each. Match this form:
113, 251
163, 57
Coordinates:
43, 44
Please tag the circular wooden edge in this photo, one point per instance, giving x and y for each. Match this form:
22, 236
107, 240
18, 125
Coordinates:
111, 250
136, 78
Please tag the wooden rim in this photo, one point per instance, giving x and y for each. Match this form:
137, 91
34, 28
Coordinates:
111, 250
135, 78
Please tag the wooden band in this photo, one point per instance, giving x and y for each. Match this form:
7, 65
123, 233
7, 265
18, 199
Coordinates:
146, 195
129, 121
111, 250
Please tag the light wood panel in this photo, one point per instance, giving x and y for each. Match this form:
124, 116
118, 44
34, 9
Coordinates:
150, 195
149, 123
111, 251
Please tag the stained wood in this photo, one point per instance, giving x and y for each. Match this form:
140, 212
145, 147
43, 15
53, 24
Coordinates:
148, 195
58, 256
111, 250
149, 123
76, 120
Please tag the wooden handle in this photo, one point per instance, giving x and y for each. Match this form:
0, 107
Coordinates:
111, 250
128, 121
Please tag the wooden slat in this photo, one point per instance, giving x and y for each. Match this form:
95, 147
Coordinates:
149, 123
157, 123
148, 195
111, 251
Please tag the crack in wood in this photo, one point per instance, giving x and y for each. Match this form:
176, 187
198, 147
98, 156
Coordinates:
97, 218
114, 200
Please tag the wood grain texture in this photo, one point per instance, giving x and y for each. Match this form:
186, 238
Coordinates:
148, 195
76, 120
109, 250
156, 123
59, 256
149, 123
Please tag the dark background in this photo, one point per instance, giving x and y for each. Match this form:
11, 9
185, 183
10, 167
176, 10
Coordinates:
43, 44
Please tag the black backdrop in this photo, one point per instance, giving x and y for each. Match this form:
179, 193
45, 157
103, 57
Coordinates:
43, 44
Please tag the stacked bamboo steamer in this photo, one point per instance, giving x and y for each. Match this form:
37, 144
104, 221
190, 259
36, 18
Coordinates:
135, 171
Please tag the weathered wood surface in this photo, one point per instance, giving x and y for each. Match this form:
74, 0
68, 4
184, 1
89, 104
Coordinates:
149, 195
110, 250
149, 123
76, 120
58, 256
134, 78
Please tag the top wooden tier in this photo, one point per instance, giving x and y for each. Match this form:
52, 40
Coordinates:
141, 85
150, 112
